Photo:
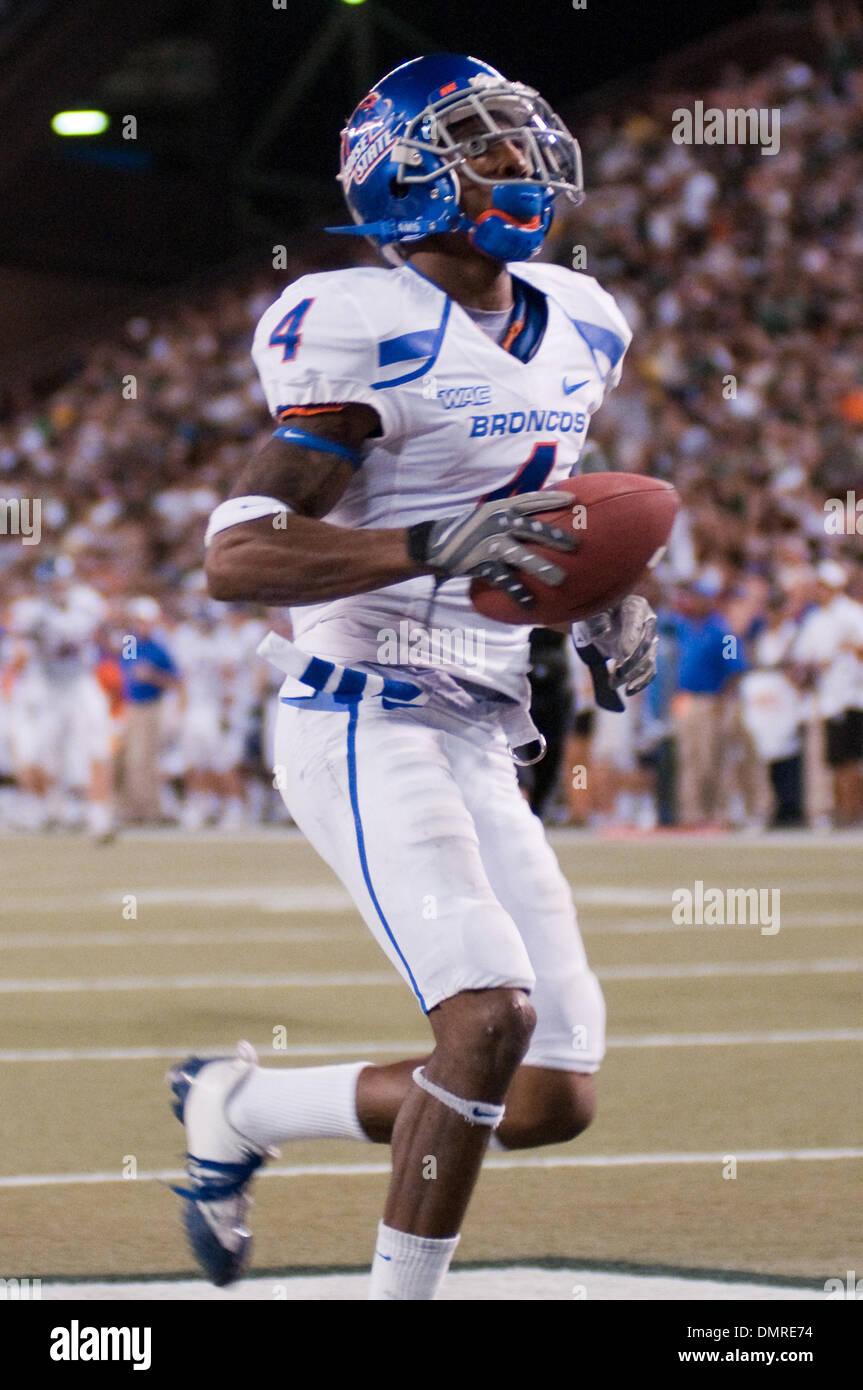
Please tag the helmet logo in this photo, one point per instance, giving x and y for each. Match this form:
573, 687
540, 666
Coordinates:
371, 146
382, 106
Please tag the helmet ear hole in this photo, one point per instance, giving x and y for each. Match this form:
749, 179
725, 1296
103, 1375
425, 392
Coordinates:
399, 190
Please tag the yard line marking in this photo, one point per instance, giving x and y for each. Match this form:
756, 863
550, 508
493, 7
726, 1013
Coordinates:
332, 898
676, 971
776, 1035
803, 921
651, 897
284, 897
415, 1047
288, 898
379, 979
265, 1052
119, 983
136, 934
526, 1281
326, 1170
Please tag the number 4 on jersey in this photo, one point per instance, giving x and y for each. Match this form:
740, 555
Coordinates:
530, 477
287, 331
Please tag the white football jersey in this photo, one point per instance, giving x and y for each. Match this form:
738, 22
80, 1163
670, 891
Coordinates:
462, 420
59, 632
826, 639
197, 654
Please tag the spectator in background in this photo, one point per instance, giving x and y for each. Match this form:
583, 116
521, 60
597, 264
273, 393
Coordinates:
148, 672
710, 658
772, 711
744, 793
830, 650
659, 722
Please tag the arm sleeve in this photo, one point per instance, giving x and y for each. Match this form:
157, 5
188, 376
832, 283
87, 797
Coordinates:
315, 347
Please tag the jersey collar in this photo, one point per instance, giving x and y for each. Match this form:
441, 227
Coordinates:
527, 322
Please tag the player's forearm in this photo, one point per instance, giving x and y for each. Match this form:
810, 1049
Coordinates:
304, 561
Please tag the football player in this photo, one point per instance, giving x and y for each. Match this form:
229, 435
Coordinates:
59, 715
419, 409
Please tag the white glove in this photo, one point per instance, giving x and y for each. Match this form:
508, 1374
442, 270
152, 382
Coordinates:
625, 637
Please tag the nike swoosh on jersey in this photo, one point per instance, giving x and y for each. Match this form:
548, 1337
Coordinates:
568, 390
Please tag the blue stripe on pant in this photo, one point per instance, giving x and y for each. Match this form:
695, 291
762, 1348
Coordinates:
361, 846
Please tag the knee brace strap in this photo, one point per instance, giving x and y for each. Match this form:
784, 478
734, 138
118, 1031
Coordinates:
476, 1112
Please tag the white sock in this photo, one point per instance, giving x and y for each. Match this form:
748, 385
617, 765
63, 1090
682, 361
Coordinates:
233, 812
409, 1267
194, 811
278, 1104
99, 819
34, 811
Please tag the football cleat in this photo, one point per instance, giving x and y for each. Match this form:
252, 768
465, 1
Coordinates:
221, 1162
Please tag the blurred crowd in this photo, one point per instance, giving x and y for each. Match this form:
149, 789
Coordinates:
740, 275
754, 720
132, 712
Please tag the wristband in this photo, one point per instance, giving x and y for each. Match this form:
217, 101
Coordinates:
292, 435
417, 541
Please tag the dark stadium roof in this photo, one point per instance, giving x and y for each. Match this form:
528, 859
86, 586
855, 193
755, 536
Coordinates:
239, 107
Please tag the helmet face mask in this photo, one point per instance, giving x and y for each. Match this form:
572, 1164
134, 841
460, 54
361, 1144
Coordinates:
503, 111
436, 120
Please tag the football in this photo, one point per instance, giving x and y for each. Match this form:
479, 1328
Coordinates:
621, 521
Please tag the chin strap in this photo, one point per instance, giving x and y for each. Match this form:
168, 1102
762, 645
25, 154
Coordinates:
391, 229
512, 229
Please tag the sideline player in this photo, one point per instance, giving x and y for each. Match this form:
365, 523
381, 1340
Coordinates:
59, 717
420, 409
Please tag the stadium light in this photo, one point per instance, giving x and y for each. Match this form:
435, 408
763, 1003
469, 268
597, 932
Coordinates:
353, 2
80, 122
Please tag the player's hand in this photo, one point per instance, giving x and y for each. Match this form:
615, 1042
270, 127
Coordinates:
626, 642
486, 543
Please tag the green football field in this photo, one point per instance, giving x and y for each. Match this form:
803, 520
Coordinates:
730, 1128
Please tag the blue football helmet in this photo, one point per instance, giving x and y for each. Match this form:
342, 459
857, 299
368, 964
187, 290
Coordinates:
413, 135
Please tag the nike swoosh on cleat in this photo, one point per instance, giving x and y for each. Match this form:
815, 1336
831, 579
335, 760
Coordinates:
383, 1257
568, 390
484, 1114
